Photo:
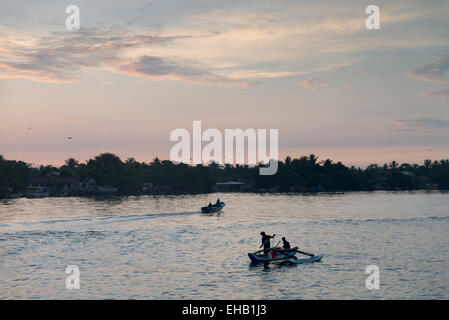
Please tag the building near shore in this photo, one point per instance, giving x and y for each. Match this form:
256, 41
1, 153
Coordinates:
229, 186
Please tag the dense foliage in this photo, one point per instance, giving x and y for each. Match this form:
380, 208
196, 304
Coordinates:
303, 174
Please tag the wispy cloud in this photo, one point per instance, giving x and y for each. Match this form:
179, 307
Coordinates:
321, 83
262, 74
422, 123
62, 57
157, 67
271, 40
433, 72
315, 83
438, 93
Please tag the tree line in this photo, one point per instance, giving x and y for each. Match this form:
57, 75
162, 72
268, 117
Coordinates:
303, 174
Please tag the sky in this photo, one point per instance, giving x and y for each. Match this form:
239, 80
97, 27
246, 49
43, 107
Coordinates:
136, 70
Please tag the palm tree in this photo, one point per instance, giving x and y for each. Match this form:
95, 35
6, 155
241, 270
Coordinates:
156, 161
288, 161
393, 165
130, 160
327, 163
71, 163
313, 158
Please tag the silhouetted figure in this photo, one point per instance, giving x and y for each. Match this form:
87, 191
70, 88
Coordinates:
285, 243
218, 202
266, 242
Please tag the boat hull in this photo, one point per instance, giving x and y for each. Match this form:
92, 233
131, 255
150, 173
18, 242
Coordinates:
273, 256
213, 209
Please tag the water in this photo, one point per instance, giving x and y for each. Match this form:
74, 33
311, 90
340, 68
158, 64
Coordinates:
161, 247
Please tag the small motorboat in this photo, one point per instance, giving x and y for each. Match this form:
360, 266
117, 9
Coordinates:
214, 208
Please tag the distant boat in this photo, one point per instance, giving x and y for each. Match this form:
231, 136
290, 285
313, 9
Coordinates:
214, 208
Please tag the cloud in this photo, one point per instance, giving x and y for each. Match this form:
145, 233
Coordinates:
432, 72
62, 57
319, 83
157, 67
438, 93
422, 123
261, 74
274, 40
315, 83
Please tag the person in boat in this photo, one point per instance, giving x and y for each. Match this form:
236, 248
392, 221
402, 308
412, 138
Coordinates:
210, 205
266, 242
285, 243
218, 202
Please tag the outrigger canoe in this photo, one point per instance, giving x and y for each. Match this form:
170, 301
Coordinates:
214, 208
280, 255
273, 255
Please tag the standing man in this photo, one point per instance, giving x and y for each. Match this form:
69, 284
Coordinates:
266, 242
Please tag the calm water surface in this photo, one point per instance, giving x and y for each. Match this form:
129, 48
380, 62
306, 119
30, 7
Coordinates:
162, 247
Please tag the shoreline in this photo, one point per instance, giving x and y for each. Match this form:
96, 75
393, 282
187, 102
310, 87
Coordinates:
108, 175
111, 196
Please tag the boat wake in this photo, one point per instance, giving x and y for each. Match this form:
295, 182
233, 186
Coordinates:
107, 219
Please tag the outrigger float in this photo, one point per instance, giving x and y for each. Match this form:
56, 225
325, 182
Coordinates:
280, 255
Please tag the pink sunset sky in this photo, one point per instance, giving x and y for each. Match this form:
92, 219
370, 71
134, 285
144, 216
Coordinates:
137, 70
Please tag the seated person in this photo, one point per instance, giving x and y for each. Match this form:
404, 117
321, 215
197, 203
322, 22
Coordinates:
285, 243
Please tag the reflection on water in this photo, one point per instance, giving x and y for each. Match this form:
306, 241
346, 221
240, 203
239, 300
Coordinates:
162, 247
